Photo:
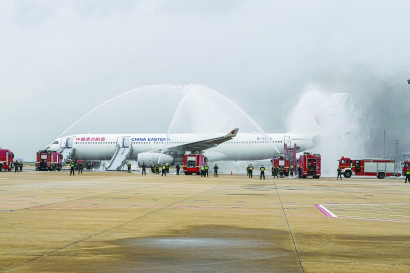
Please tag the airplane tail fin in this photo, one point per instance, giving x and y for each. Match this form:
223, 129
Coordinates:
326, 116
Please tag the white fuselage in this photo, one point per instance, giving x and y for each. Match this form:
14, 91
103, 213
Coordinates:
245, 146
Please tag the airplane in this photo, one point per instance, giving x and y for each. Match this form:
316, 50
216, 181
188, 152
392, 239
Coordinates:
162, 148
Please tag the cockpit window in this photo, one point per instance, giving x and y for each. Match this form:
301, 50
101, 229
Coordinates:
55, 142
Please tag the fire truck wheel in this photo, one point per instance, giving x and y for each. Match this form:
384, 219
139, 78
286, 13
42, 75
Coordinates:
347, 174
381, 175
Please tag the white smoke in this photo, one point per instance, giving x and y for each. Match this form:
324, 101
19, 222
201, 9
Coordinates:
335, 144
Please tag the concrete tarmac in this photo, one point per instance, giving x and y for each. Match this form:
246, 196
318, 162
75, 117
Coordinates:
123, 222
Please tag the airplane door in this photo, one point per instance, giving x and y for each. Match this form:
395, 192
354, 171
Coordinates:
63, 143
69, 143
126, 142
286, 140
120, 142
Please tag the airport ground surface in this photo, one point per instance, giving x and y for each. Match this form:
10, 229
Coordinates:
122, 222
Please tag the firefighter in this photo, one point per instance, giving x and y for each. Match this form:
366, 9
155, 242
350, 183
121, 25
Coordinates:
177, 167
129, 166
21, 166
167, 167
16, 166
251, 171
80, 168
164, 170
407, 176
339, 173
152, 168
281, 170
157, 169
262, 173
216, 170
72, 167
291, 170
206, 170
143, 168
275, 172
300, 172
202, 170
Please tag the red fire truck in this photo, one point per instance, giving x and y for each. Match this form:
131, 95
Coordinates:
367, 167
406, 166
311, 165
192, 163
48, 161
282, 161
6, 160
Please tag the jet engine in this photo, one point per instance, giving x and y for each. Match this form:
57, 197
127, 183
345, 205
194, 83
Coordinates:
149, 158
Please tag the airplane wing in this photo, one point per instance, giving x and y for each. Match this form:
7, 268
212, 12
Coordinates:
198, 145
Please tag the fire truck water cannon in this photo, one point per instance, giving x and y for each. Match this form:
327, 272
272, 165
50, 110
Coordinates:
367, 167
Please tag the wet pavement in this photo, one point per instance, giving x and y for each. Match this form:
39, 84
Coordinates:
121, 222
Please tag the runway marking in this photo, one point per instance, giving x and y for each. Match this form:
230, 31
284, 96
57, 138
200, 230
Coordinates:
325, 211
395, 212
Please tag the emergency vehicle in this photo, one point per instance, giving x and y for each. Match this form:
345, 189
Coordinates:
191, 163
367, 167
6, 160
48, 161
406, 166
280, 162
311, 165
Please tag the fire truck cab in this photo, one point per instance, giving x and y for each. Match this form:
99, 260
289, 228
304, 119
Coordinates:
191, 163
366, 167
406, 166
6, 160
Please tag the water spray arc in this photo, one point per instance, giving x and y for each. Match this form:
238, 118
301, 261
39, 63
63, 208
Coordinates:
243, 112
170, 126
102, 104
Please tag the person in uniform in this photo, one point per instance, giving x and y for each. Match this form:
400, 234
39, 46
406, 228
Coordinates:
157, 169
164, 170
276, 171
72, 167
262, 173
143, 169
177, 168
281, 170
216, 170
339, 173
273, 170
300, 172
407, 176
80, 168
167, 167
250, 171
206, 170
202, 170
291, 170
16, 166
152, 168
21, 165
129, 166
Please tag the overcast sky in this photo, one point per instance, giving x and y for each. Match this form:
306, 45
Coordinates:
60, 59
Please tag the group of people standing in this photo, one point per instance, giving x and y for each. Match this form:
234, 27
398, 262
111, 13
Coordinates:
250, 169
73, 165
18, 166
